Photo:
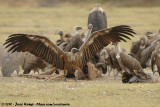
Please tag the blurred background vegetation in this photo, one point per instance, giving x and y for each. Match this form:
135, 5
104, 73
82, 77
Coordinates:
54, 3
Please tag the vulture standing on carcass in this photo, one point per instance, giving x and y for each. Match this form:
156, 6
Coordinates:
43, 48
130, 65
97, 17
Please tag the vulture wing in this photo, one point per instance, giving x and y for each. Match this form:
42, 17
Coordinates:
99, 39
40, 46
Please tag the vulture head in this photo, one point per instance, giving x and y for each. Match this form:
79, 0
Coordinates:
60, 33
67, 37
74, 50
76, 29
104, 54
143, 42
90, 26
158, 35
148, 33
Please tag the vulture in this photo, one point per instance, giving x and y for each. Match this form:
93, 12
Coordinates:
155, 60
147, 52
112, 62
138, 46
10, 61
97, 17
65, 38
153, 38
108, 61
43, 48
129, 64
76, 29
31, 62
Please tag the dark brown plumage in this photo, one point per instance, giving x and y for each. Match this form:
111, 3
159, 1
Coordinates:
43, 48
97, 17
31, 62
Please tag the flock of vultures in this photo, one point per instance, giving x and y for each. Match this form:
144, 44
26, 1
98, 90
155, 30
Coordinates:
83, 55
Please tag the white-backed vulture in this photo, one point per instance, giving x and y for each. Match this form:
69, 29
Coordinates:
97, 17
155, 60
43, 48
129, 64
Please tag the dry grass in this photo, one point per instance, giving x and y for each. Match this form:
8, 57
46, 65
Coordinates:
101, 92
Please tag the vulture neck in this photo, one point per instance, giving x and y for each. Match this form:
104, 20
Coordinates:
62, 38
76, 32
88, 34
118, 49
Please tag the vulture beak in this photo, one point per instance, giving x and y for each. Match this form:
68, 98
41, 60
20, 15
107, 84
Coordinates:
90, 26
78, 28
114, 43
60, 33
74, 50
150, 32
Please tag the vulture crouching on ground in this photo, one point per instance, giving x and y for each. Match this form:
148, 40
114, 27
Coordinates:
31, 62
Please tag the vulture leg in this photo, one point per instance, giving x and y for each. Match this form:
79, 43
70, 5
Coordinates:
109, 69
17, 70
115, 74
155, 68
148, 64
79, 74
61, 74
65, 75
49, 72
27, 71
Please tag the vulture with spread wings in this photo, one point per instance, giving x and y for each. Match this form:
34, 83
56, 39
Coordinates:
43, 48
